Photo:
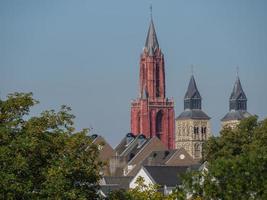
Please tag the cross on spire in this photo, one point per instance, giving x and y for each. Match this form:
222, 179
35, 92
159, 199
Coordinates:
150, 8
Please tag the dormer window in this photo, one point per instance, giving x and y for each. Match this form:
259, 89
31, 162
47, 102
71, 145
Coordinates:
129, 138
141, 140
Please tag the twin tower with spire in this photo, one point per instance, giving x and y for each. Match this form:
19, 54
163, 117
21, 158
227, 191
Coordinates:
152, 113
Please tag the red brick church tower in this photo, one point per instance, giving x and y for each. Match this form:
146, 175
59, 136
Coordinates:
152, 114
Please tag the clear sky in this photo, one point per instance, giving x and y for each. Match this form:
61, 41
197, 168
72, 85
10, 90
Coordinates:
85, 54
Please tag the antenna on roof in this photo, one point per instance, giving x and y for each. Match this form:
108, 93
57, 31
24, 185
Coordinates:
237, 70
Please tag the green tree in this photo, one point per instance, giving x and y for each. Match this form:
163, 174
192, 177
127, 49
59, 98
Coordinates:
42, 157
119, 194
237, 164
142, 191
145, 192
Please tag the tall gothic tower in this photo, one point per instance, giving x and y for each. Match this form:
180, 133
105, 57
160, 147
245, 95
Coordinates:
237, 106
152, 114
192, 125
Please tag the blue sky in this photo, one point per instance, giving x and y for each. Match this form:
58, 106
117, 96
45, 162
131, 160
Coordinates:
85, 54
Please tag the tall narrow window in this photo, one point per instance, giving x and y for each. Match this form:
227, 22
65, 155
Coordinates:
196, 133
159, 124
138, 122
204, 133
157, 81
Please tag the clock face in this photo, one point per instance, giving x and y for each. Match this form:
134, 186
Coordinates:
182, 156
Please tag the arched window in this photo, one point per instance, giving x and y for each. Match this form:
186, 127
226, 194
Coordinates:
159, 124
197, 150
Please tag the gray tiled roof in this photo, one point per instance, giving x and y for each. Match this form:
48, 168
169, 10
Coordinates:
193, 114
168, 175
107, 189
121, 146
236, 115
131, 149
158, 157
151, 40
122, 182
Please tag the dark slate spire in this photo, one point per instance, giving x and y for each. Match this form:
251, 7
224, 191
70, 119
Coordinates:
192, 99
238, 99
192, 103
151, 40
237, 104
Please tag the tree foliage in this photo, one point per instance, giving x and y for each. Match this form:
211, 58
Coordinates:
237, 164
42, 157
142, 191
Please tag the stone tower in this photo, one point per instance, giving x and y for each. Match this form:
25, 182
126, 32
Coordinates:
192, 125
152, 114
237, 106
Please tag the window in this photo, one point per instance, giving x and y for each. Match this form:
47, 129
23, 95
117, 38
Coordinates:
204, 133
196, 131
197, 150
157, 81
159, 124
138, 122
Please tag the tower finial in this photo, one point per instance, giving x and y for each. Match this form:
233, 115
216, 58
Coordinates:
237, 70
150, 8
192, 69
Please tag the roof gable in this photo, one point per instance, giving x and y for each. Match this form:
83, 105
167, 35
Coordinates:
106, 151
153, 144
180, 158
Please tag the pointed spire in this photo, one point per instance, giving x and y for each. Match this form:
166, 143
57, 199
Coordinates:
192, 91
151, 40
238, 99
237, 92
192, 99
237, 103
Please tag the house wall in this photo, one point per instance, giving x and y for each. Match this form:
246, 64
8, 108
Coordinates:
145, 176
